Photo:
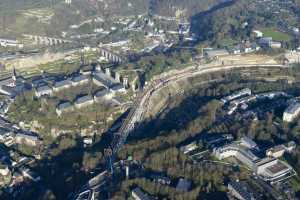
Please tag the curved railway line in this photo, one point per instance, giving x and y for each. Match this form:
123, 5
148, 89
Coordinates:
136, 115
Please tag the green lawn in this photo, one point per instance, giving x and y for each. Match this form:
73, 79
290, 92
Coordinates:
276, 35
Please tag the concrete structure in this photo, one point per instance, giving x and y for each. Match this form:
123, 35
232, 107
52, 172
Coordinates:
103, 79
112, 57
248, 143
103, 94
275, 45
4, 170
276, 152
242, 191
6, 135
61, 85
12, 85
10, 43
79, 80
118, 88
84, 101
43, 91
188, 148
69, 2
22, 138
215, 53
292, 112
160, 179
290, 146
238, 94
138, 194
183, 185
266, 41
30, 174
273, 170
63, 107
258, 34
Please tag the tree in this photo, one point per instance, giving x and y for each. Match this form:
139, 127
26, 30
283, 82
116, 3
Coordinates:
91, 160
66, 143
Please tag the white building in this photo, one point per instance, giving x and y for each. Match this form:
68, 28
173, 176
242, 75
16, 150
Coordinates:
238, 94
258, 34
269, 169
31, 140
276, 152
291, 112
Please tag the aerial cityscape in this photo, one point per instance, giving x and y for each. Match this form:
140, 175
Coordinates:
150, 99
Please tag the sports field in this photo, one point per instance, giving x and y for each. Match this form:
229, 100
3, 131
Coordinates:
276, 35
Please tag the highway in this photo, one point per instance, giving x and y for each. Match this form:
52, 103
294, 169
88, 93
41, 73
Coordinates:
137, 112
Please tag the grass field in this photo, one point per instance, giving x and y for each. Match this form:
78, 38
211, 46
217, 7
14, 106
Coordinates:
276, 35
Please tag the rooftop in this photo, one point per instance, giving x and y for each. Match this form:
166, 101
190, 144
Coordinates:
279, 166
107, 81
293, 108
80, 78
184, 185
101, 93
216, 52
43, 88
27, 136
140, 194
244, 190
64, 106
83, 99
117, 87
62, 83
